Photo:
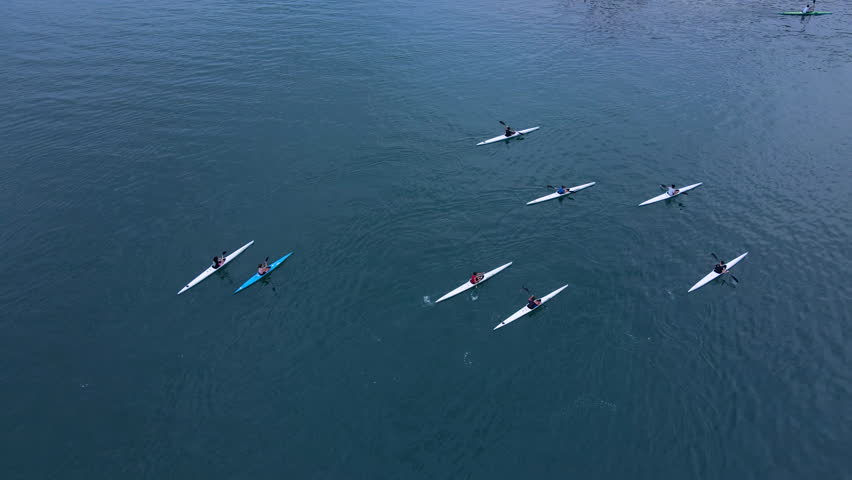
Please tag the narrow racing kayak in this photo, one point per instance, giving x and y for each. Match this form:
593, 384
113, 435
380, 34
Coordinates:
504, 137
557, 195
712, 275
666, 195
803, 14
467, 285
206, 273
523, 311
254, 278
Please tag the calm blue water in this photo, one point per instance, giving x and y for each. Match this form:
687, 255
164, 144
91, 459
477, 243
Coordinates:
138, 139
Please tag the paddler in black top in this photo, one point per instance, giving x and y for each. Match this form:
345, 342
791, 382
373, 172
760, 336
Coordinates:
533, 302
509, 131
720, 267
219, 261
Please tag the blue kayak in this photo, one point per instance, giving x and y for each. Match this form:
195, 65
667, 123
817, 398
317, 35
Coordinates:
272, 266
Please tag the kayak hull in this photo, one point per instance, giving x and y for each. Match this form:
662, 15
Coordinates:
524, 310
467, 285
713, 275
254, 278
804, 14
660, 198
210, 270
557, 195
504, 137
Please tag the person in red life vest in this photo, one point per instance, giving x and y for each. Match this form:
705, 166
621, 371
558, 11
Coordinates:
476, 277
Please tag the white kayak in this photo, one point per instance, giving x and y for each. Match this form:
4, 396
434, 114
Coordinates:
525, 310
557, 195
504, 137
666, 195
467, 285
712, 275
206, 273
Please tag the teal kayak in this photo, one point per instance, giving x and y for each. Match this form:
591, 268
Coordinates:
272, 266
803, 14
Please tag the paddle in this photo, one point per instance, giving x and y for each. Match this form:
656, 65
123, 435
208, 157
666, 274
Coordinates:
504, 124
731, 274
526, 290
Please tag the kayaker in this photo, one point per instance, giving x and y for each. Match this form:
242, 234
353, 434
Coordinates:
672, 191
219, 261
509, 131
533, 302
476, 277
563, 190
720, 267
263, 268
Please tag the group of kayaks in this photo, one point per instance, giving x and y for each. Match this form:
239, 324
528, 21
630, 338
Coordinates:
227, 259
527, 309
535, 303
520, 313
658, 198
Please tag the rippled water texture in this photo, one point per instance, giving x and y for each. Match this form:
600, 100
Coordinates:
139, 139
